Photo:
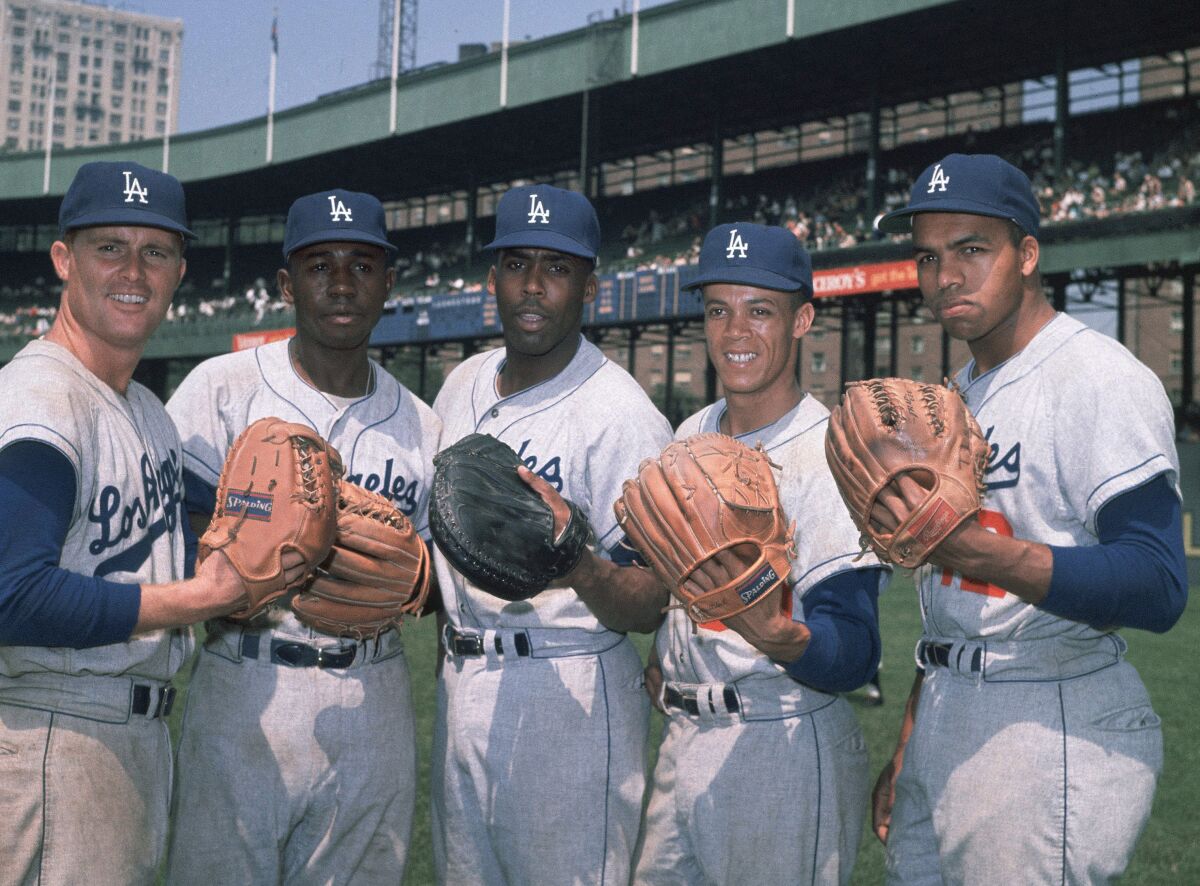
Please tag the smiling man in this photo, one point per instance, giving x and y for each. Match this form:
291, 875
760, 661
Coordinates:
540, 739
305, 742
1029, 751
93, 547
762, 772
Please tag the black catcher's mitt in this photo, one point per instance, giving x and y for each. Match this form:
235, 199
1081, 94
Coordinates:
495, 529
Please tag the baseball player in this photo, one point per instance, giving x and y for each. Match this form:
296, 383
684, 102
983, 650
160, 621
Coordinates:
540, 737
297, 757
762, 772
1029, 750
93, 550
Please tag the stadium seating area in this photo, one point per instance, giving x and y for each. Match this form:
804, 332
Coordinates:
1129, 161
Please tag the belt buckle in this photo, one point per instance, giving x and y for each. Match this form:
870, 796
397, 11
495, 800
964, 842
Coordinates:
462, 643
336, 657
684, 699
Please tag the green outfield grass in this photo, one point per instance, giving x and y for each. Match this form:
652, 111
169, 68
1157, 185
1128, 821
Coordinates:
1169, 851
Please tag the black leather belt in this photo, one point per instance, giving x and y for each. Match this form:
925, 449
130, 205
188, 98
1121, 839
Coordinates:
687, 700
470, 644
301, 655
152, 701
941, 655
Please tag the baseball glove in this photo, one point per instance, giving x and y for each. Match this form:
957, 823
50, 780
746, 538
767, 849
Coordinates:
276, 494
495, 529
886, 427
376, 573
701, 496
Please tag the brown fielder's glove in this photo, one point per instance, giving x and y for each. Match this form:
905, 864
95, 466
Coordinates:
703, 495
276, 494
376, 573
886, 427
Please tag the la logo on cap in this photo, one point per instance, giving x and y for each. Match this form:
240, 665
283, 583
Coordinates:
537, 211
338, 211
737, 248
938, 180
133, 188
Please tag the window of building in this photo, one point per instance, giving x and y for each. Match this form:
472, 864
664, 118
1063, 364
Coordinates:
918, 344
1177, 321
817, 362
1175, 364
917, 373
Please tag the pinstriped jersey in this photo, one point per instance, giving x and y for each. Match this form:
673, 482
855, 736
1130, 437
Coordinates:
584, 431
386, 438
1072, 421
826, 543
126, 526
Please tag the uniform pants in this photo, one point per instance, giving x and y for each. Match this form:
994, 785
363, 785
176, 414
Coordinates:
756, 801
81, 801
1025, 781
539, 768
294, 775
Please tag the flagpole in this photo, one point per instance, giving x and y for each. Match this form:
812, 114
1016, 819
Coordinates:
166, 161
271, 88
395, 62
633, 49
48, 134
504, 57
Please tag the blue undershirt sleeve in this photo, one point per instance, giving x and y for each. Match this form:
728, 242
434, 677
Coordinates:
625, 554
1136, 577
200, 495
843, 616
42, 604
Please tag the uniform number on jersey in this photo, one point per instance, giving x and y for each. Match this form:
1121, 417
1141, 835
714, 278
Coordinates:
995, 522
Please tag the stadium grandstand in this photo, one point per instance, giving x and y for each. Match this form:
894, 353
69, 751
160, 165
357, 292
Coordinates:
812, 116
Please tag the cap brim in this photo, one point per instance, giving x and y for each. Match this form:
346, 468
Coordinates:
542, 240
757, 277
900, 221
334, 235
139, 218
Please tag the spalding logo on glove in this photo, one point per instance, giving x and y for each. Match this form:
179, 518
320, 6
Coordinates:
494, 528
276, 494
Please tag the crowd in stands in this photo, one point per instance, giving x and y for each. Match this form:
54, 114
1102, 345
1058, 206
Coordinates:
831, 216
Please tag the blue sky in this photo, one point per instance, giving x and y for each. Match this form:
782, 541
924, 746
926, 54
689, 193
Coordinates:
326, 45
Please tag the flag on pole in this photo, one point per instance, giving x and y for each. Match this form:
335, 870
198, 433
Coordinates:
275, 35
271, 87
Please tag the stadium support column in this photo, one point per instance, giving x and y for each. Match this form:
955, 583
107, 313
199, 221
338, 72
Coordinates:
227, 271
870, 310
715, 182
585, 162
1062, 96
894, 338
669, 392
422, 360
1058, 293
844, 344
873, 154
945, 354
1187, 383
472, 199
631, 357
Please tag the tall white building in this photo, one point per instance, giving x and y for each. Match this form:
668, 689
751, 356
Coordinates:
115, 74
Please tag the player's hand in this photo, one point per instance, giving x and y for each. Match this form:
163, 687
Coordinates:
562, 516
223, 584
896, 502
562, 513
654, 680
883, 797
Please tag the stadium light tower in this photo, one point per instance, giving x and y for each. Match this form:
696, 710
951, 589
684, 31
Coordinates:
406, 35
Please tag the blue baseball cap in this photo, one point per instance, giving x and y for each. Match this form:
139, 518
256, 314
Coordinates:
335, 215
546, 217
105, 193
754, 255
977, 184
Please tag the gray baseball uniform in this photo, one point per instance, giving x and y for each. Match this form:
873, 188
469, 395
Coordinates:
767, 780
1035, 752
85, 757
297, 762
540, 738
